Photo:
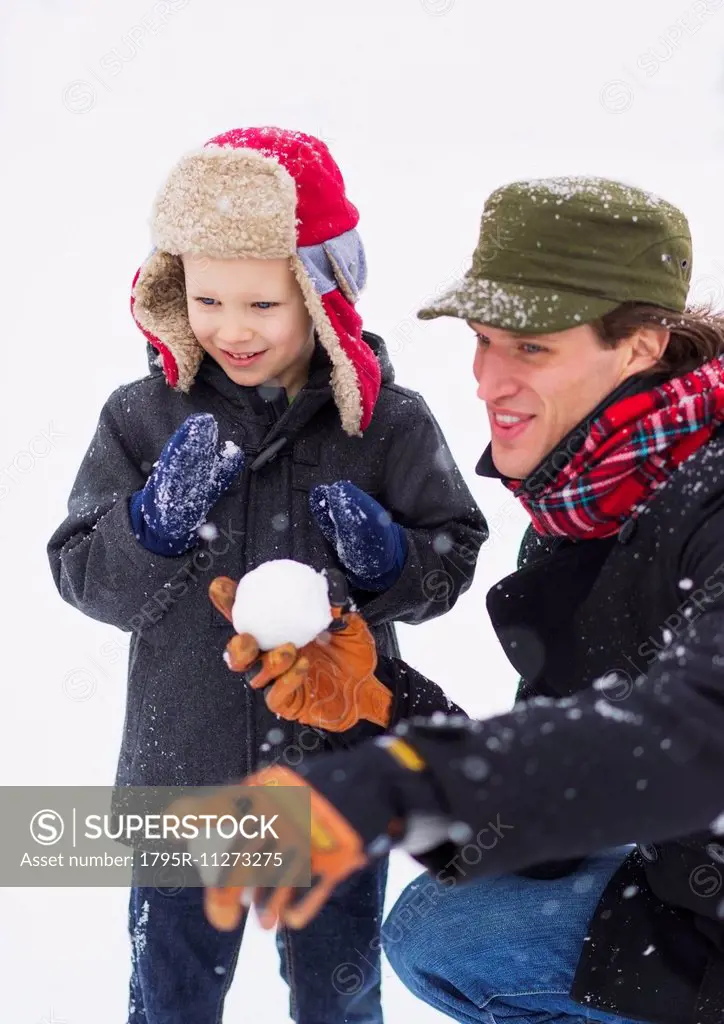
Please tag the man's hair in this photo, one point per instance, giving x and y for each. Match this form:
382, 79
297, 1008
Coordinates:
697, 334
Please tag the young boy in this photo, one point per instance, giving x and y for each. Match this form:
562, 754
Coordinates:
276, 418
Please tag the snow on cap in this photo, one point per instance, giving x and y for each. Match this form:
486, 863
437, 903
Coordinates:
264, 193
554, 253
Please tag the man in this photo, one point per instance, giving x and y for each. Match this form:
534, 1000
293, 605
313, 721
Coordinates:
605, 398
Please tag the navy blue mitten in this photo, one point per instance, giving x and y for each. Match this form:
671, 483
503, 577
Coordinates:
371, 547
190, 476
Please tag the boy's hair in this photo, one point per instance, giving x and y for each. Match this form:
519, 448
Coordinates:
697, 334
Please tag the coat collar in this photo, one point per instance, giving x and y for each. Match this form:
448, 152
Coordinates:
267, 407
264, 401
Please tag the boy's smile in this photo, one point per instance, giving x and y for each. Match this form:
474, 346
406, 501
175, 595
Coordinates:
243, 358
249, 316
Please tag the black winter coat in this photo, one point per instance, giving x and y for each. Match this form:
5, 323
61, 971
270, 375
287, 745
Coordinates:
618, 737
189, 721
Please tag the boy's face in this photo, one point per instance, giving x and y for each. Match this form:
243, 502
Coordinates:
537, 388
249, 316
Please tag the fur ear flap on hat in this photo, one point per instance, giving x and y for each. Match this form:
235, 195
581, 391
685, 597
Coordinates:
262, 193
158, 305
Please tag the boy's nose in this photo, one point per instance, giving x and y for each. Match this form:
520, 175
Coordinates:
234, 334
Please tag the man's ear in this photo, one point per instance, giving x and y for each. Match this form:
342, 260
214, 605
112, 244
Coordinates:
648, 345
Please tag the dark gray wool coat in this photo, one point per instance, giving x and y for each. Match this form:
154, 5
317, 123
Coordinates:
189, 720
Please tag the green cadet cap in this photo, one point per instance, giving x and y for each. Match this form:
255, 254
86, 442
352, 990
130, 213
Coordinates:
554, 253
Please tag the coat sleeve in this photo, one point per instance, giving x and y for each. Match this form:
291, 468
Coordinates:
413, 695
98, 565
557, 779
424, 491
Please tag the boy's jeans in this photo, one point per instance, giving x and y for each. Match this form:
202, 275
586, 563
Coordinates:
501, 950
182, 967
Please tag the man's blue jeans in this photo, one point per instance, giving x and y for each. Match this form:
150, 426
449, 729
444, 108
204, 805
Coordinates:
182, 967
501, 950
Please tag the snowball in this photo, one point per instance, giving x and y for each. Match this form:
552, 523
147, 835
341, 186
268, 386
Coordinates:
281, 602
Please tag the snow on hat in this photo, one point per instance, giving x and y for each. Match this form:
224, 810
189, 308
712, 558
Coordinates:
265, 193
557, 252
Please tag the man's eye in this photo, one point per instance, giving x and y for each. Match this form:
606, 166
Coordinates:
530, 349
205, 301
482, 340
265, 305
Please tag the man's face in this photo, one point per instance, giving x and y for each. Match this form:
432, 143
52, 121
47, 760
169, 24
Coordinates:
249, 315
538, 387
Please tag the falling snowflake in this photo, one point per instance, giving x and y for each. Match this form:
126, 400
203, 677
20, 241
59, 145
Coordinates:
474, 768
550, 907
459, 832
442, 543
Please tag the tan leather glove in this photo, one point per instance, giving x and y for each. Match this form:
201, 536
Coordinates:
329, 683
335, 847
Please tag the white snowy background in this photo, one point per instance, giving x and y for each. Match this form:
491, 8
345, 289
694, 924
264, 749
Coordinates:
428, 105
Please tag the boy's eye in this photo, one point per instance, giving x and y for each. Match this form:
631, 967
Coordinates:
265, 305
204, 300
482, 340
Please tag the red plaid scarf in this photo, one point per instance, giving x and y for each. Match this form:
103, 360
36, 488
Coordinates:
629, 452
